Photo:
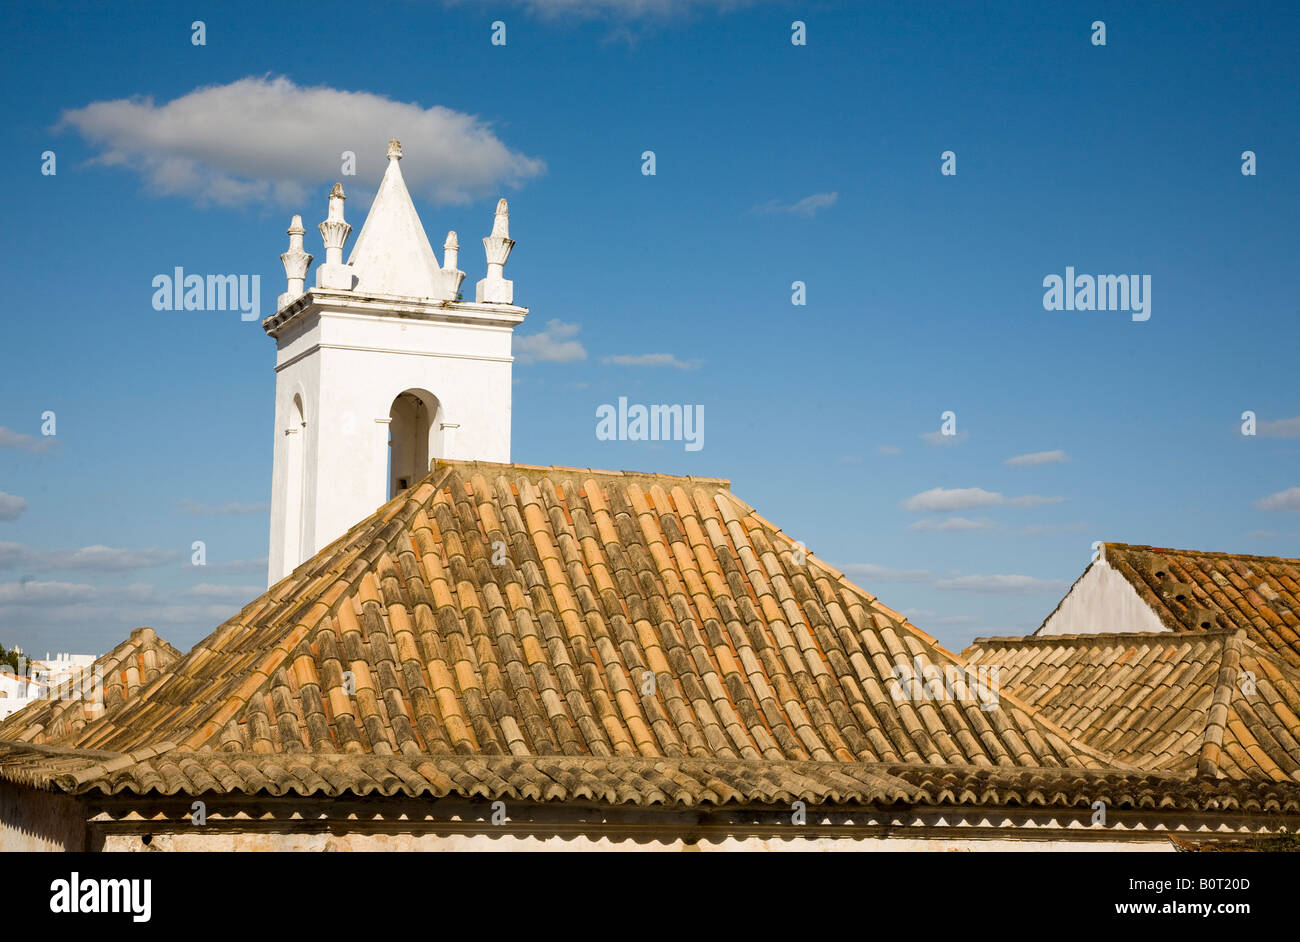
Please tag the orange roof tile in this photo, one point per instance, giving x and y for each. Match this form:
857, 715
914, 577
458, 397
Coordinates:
1209, 702
65, 709
1195, 591
631, 617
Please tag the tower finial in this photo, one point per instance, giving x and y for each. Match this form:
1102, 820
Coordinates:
501, 221
495, 289
296, 261
394, 149
451, 275
334, 231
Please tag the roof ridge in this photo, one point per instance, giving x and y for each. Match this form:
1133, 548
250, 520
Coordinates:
1103, 635
1216, 718
1190, 552
1263, 652
593, 472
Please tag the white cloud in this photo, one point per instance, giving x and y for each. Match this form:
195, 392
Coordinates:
265, 140
808, 206
555, 344
23, 442
945, 441
1039, 529
651, 359
233, 509
107, 558
1038, 457
86, 559
11, 506
1282, 500
954, 582
918, 615
1280, 428
950, 525
90, 619
885, 574
964, 498
237, 594
239, 566
32, 592
1010, 584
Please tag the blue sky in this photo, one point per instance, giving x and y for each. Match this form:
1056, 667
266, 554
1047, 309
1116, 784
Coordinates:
775, 163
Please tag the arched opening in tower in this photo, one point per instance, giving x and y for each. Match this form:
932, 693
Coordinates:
295, 482
414, 438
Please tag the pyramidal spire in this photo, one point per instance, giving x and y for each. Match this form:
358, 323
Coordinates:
392, 255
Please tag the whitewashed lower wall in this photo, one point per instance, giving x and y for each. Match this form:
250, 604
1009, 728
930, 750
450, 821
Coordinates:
195, 841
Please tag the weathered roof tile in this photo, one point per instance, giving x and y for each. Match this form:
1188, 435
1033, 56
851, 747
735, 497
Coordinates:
489, 632
1196, 591
1213, 702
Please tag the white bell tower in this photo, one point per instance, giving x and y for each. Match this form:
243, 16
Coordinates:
381, 368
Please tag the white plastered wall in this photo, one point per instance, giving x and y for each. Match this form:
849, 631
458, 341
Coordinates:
299, 376
349, 367
1101, 602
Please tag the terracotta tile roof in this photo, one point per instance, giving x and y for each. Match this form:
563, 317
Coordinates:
1073, 788
126, 670
519, 612
1207, 702
1191, 591
646, 782
642, 781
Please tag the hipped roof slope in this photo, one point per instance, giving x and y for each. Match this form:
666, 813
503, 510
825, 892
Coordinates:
1197, 591
1212, 703
512, 610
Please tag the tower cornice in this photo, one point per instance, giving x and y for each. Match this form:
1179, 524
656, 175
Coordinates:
325, 300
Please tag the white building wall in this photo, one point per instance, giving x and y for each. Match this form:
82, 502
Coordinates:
1101, 602
349, 368
297, 373
16, 691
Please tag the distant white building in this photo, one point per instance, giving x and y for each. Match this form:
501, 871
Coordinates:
16, 691
37, 678
53, 670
